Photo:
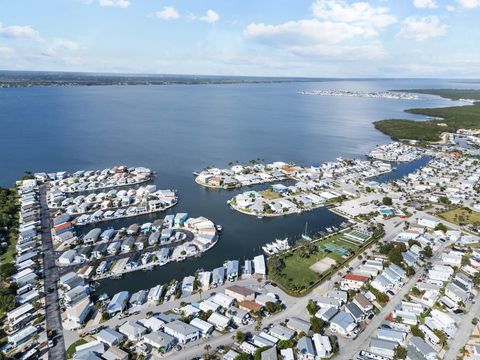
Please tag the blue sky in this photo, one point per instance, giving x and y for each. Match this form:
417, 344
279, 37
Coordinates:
325, 38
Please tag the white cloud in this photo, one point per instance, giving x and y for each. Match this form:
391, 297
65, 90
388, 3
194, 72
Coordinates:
425, 4
305, 32
360, 13
424, 28
346, 52
469, 4
60, 45
210, 17
114, 3
19, 32
6, 52
450, 8
168, 13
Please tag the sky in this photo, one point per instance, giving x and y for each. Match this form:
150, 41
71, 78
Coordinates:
315, 38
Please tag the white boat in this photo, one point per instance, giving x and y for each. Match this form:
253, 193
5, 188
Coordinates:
305, 233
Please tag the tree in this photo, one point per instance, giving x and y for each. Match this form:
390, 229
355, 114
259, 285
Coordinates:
417, 332
243, 356
427, 251
272, 307
105, 316
474, 321
441, 227
240, 336
387, 201
317, 324
400, 353
285, 344
7, 270
312, 307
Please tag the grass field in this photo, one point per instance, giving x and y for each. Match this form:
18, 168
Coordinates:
462, 216
71, 348
453, 118
270, 194
295, 275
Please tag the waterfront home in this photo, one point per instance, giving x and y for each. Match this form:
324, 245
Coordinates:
218, 276
127, 244
204, 279
160, 340
187, 285
132, 330
203, 327
259, 265
154, 238
247, 269
183, 332
138, 298
180, 219
118, 302
110, 336
71, 280
99, 250
92, 236
79, 312
155, 293
75, 295
344, 324
67, 258
232, 270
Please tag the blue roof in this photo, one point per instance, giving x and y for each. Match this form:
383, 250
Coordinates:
118, 301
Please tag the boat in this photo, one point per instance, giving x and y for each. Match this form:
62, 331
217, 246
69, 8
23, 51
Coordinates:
329, 229
148, 268
103, 297
116, 277
219, 227
305, 233
260, 216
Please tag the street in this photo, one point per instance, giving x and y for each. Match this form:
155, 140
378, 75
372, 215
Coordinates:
52, 307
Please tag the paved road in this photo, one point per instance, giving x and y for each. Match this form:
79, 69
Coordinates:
362, 341
464, 331
52, 307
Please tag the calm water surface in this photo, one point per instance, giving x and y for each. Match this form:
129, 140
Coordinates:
180, 128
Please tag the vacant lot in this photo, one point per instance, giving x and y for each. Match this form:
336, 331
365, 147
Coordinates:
270, 195
292, 271
462, 216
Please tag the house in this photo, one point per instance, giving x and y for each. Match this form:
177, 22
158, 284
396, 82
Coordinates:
429, 223
110, 337
306, 350
92, 236
357, 314
78, 313
240, 293
363, 303
208, 305
218, 276
269, 354
183, 332
155, 293
353, 282
187, 284
287, 354
344, 324
22, 336
223, 300
456, 293
232, 270
323, 346
75, 295
115, 353
248, 348
160, 340
259, 265
132, 330
425, 350
239, 316
221, 322
339, 295
282, 332
383, 347
298, 325
203, 327
463, 281
138, 298
391, 335
118, 302
230, 355
250, 306
326, 314
152, 323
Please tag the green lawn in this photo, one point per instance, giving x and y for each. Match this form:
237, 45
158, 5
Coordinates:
71, 348
295, 275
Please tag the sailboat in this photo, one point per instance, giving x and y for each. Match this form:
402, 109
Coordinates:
305, 233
